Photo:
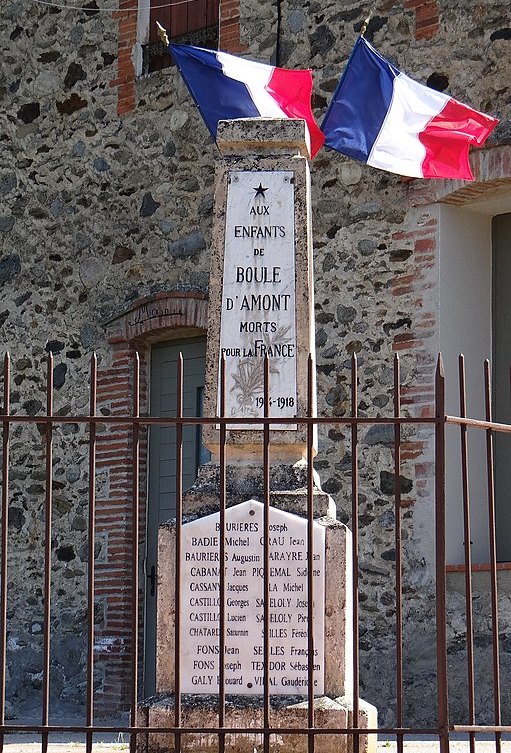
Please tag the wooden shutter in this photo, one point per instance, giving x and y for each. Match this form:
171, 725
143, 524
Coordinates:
180, 17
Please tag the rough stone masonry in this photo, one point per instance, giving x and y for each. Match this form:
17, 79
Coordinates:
100, 211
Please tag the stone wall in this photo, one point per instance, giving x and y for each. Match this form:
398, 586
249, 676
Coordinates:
106, 185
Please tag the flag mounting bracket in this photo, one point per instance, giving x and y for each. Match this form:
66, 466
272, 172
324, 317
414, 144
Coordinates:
365, 23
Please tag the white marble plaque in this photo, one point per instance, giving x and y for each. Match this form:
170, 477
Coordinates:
200, 603
258, 296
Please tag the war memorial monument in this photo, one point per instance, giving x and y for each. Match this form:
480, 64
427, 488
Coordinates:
261, 303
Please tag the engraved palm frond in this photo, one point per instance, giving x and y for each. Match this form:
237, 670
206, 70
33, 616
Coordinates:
249, 376
248, 382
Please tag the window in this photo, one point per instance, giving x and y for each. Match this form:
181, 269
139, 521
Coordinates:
187, 22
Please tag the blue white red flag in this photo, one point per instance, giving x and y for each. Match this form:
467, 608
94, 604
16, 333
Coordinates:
225, 87
382, 117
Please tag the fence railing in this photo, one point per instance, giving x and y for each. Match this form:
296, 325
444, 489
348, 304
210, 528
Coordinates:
439, 727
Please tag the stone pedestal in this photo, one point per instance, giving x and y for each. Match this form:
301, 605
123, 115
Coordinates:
333, 708
244, 713
288, 485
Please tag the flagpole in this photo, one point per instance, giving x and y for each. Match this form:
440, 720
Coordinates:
365, 23
162, 33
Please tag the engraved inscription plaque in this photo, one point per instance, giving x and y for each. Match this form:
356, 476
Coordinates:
258, 294
200, 603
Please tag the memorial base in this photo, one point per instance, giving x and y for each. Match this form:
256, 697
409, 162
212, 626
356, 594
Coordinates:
333, 708
289, 586
288, 488
199, 711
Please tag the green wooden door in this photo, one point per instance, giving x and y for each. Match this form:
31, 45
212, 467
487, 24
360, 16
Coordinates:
162, 462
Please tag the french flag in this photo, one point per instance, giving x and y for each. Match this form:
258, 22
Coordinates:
384, 118
226, 87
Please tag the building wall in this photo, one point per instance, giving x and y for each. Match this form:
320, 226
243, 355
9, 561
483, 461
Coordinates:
106, 189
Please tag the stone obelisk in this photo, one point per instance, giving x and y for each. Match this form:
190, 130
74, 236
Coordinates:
261, 294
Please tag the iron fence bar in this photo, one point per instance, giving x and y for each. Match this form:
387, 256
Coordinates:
310, 558
266, 556
354, 531
47, 555
54, 729
500, 729
475, 423
5, 542
222, 621
177, 582
441, 602
468, 552
208, 421
91, 541
134, 549
493, 553
398, 550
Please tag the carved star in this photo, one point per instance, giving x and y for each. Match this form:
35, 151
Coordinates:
260, 191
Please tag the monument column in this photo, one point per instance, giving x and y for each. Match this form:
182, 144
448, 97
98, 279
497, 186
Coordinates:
261, 298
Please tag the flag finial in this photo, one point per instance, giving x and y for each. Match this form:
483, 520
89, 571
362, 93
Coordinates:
365, 23
162, 33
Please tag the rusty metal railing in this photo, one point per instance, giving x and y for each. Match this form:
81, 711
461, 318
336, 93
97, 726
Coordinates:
440, 727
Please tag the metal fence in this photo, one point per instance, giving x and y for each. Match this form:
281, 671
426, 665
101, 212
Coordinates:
440, 728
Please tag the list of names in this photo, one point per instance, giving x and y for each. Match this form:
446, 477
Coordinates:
244, 603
